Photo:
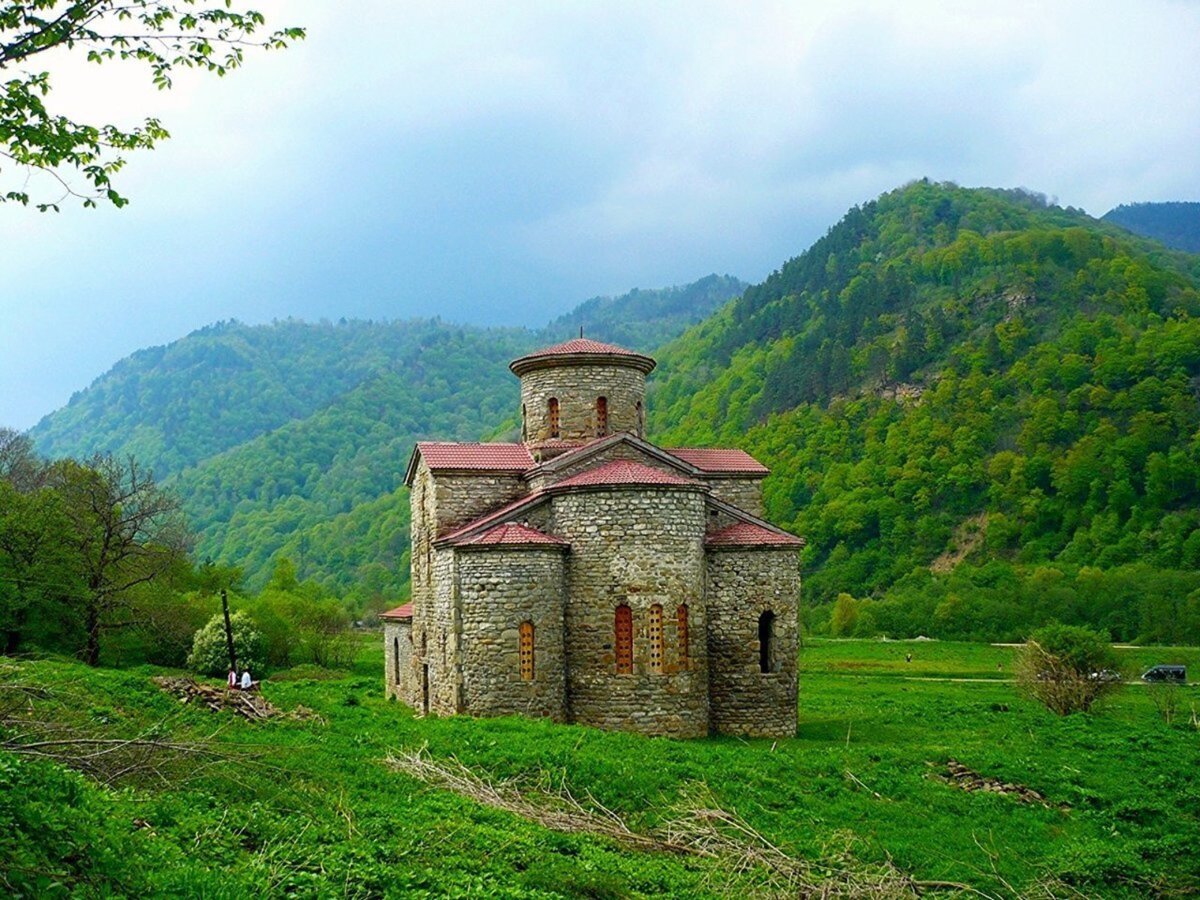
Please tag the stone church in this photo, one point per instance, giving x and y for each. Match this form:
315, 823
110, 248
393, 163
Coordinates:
587, 575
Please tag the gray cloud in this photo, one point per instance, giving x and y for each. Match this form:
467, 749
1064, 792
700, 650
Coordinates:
494, 163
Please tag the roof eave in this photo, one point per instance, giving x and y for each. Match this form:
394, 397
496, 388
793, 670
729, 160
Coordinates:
557, 546
413, 460
738, 513
528, 364
796, 545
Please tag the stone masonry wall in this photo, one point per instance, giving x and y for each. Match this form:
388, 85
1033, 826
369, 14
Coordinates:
397, 657
742, 584
637, 545
438, 646
744, 493
423, 504
499, 588
440, 503
576, 389
462, 498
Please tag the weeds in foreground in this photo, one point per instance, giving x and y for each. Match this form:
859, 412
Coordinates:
699, 827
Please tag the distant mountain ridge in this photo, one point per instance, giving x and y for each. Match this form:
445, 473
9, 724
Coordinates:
1175, 223
292, 437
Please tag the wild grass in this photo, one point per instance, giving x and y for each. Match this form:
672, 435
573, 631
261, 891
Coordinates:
311, 808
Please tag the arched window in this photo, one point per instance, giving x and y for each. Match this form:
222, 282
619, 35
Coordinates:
554, 427
601, 416
526, 650
656, 638
641, 420
396, 660
623, 626
524, 424
681, 633
766, 642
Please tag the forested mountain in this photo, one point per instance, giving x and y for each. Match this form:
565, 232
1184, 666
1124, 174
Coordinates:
293, 437
646, 319
1176, 224
981, 410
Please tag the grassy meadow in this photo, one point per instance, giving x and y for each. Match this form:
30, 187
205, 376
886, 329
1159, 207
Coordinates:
309, 808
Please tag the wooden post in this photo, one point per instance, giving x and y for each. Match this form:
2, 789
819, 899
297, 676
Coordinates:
228, 630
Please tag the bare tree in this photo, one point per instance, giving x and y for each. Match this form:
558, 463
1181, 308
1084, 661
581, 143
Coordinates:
19, 464
127, 531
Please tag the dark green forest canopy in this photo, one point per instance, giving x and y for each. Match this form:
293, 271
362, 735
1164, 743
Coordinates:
968, 376
292, 438
1176, 224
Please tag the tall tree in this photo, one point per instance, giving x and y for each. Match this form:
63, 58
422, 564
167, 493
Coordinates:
127, 532
38, 568
209, 35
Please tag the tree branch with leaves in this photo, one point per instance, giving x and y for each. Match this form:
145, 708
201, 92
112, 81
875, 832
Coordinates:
165, 35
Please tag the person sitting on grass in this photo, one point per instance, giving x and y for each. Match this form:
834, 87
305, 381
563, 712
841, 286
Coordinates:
232, 681
247, 683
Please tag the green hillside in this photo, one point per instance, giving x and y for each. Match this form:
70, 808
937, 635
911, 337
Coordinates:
293, 437
973, 381
1176, 224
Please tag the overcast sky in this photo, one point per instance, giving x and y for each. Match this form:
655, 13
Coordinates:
499, 163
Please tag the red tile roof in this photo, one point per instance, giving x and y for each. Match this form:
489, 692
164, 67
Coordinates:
743, 534
400, 612
624, 471
582, 347
490, 457
714, 459
513, 533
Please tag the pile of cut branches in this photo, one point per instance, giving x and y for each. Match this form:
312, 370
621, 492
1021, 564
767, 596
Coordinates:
33, 723
248, 704
700, 828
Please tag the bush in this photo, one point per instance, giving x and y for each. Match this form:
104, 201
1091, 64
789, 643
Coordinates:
210, 656
1067, 668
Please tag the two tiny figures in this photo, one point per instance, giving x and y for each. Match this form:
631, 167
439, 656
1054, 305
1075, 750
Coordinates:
245, 683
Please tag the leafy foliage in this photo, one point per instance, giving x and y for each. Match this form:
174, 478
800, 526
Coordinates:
209, 35
210, 655
1067, 668
980, 409
82, 546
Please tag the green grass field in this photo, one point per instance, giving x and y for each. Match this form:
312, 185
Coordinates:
309, 808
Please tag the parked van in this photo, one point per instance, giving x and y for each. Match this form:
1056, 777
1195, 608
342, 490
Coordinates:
1166, 673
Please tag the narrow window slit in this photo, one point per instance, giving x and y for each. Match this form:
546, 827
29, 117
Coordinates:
526, 650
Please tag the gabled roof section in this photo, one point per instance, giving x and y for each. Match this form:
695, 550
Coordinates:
781, 538
453, 456
400, 612
624, 471
511, 534
720, 461
573, 457
581, 351
496, 517
748, 534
